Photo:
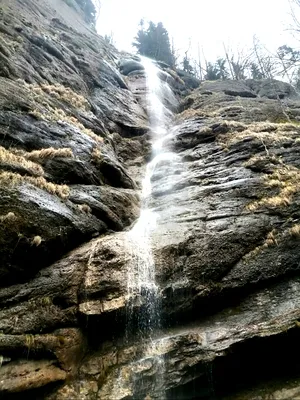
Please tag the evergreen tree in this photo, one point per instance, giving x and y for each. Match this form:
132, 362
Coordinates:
154, 42
221, 66
238, 70
296, 79
187, 65
216, 71
212, 72
89, 10
255, 71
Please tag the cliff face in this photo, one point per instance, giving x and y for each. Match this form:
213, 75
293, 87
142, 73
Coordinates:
74, 144
68, 124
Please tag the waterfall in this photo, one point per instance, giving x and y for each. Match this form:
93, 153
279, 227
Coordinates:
143, 290
143, 377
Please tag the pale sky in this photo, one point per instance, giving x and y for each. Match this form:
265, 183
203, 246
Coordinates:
209, 22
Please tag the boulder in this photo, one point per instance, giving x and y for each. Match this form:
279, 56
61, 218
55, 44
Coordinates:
128, 66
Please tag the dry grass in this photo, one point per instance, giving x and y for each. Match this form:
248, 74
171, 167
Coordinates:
191, 113
9, 217
36, 241
43, 108
96, 154
271, 240
49, 153
29, 340
294, 231
231, 108
12, 179
268, 133
271, 159
13, 159
73, 121
62, 93
84, 208
287, 180
37, 114
59, 115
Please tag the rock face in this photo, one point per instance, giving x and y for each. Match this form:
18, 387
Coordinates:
64, 180
74, 142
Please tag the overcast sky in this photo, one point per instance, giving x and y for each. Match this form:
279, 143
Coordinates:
209, 22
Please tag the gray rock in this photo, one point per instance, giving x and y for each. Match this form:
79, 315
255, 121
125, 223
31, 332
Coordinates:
231, 88
130, 66
116, 207
190, 81
42, 227
271, 88
225, 246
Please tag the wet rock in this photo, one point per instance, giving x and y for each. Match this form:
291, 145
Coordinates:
224, 229
118, 208
165, 366
74, 139
29, 375
63, 182
190, 81
65, 346
127, 66
105, 283
208, 195
55, 121
120, 107
37, 228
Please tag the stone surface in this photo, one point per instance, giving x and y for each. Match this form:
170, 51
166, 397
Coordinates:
29, 375
227, 208
74, 142
182, 355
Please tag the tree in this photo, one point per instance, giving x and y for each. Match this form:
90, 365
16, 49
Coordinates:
221, 66
266, 63
255, 71
186, 64
175, 54
296, 79
238, 70
109, 39
154, 42
212, 72
217, 70
89, 9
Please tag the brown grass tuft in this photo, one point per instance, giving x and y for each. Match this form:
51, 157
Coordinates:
13, 159
266, 132
49, 153
12, 179
62, 93
36, 241
287, 179
294, 231
84, 208
96, 154
271, 240
9, 217
191, 113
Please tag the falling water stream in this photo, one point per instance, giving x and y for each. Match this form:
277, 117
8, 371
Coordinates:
143, 290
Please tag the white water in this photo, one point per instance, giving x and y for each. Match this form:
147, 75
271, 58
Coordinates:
143, 290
